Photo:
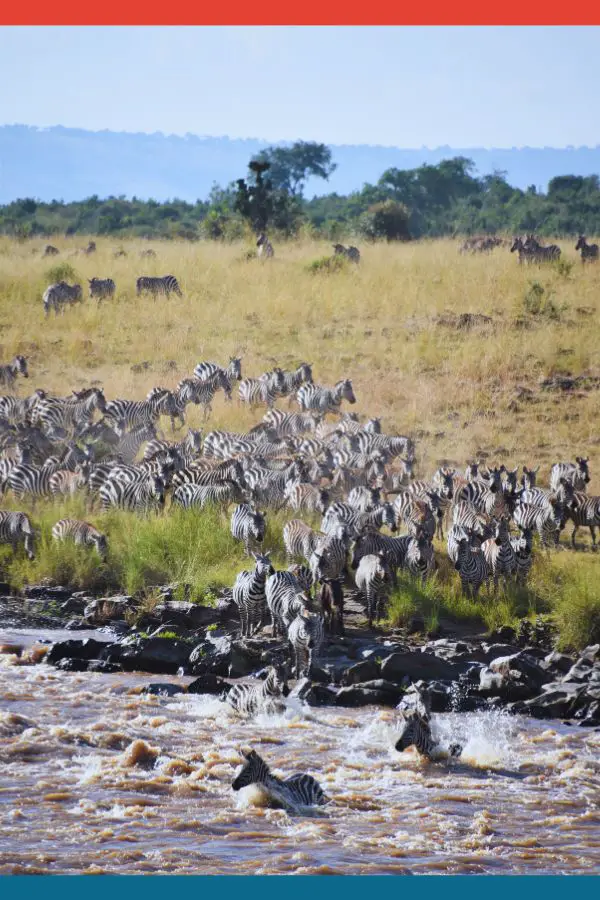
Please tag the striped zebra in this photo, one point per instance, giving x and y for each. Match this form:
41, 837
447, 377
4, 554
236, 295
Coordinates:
589, 252
81, 533
299, 539
197, 496
546, 519
168, 404
305, 635
364, 499
420, 512
294, 792
129, 443
145, 494
456, 533
499, 554
393, 445
267, 697
329, 559
9, 371
343, 514
373, 578
325, 400
255, 391
351, 253
292, 424
32, 481
306, 497
303, 576
539, 253
225, 473
15, 529
285, 599
249, 594
204, 371
70, 414
584, 512
265, 247
416, 732
331, 603
65, 483
420, 557
101, 288
523, 547
529, 478
577, 474
472, 568
248, 525
57, 296
202, 393
395, 549
293, 380
186, 449
164, 286
131, 414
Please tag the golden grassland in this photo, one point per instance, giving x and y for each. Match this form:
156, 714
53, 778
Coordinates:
391, 324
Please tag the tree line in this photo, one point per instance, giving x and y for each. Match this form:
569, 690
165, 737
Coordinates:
428, 201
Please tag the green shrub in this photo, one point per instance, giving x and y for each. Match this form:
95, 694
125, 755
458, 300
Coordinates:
63, 271
328, 264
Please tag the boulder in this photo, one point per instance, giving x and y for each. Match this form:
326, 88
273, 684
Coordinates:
592, 652
208, 684
521, 667
559, 701
211, 656
313, 694
69, 664
88, 648
108, 609
182, 614
417, 666
582, 671
163, 689
493, 651
505, 685
557, 662
76, 603
367, 670
371, 693
44, 592
157, 655
100, 665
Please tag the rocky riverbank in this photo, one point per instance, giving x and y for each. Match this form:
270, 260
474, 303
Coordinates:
515, 670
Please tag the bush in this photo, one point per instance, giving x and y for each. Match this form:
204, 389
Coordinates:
388, 220
62, 272
328, 264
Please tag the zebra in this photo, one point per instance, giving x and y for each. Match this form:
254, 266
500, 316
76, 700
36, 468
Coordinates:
331, 602
373, 577
364, 499
144, 494
583, 512
393, 445
290, 423
395, 549
16, 528
305, 635
102, 288
249, 594
197, 496
529, 478
166, 286
546, 519
186, 449
204, 371
297, 791
31, 480
72, 414
539, 253
266, 697
293, 380
57, 295
49, 250
329, 559
82, 534
284, 598
299, 539
131, 414
416, 732
301, 496
255, 391
66, 483
456, 534
248, 524
589, 252
420, 558
351, 253
201, 393
416, 512
576, 474
128, 445
523, 547
343, 514
9, 371
323, 400
472, 568
499, 553
265, 247
303, 576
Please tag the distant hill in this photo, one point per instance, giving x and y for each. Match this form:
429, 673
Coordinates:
70, 163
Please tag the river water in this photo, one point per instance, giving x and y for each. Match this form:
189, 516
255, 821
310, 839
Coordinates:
96, 777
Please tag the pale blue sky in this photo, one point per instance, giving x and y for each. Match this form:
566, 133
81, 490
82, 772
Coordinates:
407, 87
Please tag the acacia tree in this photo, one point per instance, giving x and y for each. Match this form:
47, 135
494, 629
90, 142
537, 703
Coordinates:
254, 197
292, 166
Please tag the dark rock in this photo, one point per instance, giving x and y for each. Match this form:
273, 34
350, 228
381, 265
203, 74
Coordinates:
106, 609
76, 625
211, 656
581, 671
85, 649
416, 624
42, 591
592, 652
505, 634
492, 651
313, 694
208, 684
417, 666
181, 614
556, 661
163, 689
367, 670
5, 589
522, 667
245, 658
505, 685
371, 693
559, 701
157, 655
76, 603
68, 664
100, 665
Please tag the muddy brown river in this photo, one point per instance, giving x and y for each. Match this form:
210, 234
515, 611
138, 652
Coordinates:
96, 777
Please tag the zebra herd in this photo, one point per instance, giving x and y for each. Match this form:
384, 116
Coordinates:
531, 251
59, 295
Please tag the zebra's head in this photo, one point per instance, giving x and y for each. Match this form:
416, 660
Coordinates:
304, 373
264, 566
254, 770
303, 576
529, 478
223, 382
258, 525
501, 531
277, 680
414, 726
234, 369
582, 468
517, 244
19, 364
524, 543
345, 390
565, 493
510, 481
388, 516
581, 242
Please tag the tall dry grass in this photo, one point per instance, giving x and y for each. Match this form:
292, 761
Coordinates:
390, 324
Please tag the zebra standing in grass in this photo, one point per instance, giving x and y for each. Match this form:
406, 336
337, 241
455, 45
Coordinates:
373, 577
9, 371
351, 253
255, 391
324, 400
265, 247
420, 557
81, 533
286, 423
583, 512
472, 567
201, 393
499, 553
343, 514
393, 445
249, 594
16, 528
164, 286
71, 414
204, 371
523, 547
303, 576
56, 296
285, 599
131, 414
196, 496
299, 539
329, 559
395, 549
144, 494
589, 252
248, 524
416, 732
102, 288
577, 474
299, 790
547, 519
307, 497
186, 449
266, 697
550, 253
529, 478
33, 481
305, 635
66, 483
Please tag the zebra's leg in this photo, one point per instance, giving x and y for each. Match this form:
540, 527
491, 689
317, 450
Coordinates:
309, 661
573, 536
593, 533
